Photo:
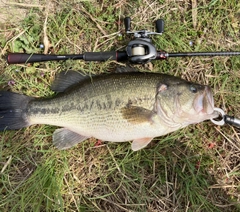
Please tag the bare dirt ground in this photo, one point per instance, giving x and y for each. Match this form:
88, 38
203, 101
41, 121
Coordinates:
14, 11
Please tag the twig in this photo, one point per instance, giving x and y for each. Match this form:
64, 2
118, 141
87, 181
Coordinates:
94, 20
24, 5
6, 164
45, 37
229, 140
194, 13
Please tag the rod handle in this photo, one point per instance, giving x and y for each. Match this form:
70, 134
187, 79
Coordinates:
17, 58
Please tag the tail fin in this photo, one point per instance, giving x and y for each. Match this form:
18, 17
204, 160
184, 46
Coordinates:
13, 110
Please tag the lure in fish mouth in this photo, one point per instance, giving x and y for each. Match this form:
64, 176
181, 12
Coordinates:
113, 107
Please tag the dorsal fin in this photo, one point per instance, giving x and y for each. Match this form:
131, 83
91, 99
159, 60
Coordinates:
67, 79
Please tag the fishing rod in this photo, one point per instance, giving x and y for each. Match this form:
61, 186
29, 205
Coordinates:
138, 51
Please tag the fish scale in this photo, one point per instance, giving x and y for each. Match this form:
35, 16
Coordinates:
107, 95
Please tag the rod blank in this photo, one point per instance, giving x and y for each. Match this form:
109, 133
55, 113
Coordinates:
200, 54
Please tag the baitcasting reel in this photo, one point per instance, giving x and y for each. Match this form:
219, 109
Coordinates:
141, 49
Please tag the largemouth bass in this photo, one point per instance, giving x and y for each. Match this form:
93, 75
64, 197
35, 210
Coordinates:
113, 107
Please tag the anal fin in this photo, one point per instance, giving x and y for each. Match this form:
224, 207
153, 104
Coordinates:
138, 144
64, 138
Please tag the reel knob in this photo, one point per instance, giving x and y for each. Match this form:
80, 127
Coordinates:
127, 24
160, 25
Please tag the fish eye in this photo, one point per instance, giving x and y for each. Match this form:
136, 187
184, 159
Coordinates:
193, 89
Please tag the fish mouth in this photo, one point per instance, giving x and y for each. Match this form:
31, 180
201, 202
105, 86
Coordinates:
204, 102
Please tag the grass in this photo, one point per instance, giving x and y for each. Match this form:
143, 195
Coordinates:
193, 169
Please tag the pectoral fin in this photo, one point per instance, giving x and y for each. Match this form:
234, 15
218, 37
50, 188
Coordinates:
138, 144
64, 138
136, 115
